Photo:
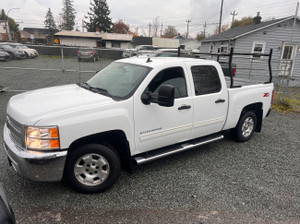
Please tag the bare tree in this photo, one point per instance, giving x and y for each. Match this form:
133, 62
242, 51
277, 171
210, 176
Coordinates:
155, 27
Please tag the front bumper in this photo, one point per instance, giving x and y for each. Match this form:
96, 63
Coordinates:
35, 166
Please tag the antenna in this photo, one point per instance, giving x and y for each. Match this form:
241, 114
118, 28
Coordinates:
148, 60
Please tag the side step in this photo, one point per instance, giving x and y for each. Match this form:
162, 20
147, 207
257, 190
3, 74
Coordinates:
170, 150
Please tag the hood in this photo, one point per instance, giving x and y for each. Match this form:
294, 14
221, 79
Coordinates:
30, 107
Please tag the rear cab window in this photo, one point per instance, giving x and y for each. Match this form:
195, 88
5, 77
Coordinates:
206, 79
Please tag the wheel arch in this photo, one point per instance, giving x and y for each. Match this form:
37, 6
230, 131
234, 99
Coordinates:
115, 138
257, 108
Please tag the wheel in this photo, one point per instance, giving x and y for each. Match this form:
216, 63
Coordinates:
26, 55
245, 127
92, 168
79, 59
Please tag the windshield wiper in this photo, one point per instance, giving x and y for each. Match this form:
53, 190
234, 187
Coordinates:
95, 89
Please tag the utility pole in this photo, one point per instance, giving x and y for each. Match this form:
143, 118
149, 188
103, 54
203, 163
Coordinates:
187, 28
221, 13
233, 14
205, 25
150, 29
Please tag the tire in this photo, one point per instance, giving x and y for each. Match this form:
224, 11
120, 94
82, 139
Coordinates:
92, 168
245, 127
79, 59
26, 55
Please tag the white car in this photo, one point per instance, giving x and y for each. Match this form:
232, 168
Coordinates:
30, 53
141, 49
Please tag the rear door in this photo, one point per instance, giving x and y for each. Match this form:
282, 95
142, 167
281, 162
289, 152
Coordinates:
210, 99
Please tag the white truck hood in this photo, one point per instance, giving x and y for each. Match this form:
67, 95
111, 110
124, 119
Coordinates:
30, 107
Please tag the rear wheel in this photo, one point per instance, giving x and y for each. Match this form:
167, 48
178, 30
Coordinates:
246, 127
26, 55
92, 168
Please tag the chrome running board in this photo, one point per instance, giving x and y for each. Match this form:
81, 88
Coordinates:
170, 150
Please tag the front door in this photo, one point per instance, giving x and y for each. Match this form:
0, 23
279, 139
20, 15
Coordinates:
287, 59
157, 126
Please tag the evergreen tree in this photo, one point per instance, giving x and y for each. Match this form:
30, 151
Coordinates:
50, 25
99, 17
68, 15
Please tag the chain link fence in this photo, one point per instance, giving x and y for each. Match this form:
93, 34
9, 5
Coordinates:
54, 64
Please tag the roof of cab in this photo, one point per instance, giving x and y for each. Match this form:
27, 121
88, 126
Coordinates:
157, 61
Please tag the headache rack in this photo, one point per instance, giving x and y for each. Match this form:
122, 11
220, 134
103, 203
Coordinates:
230, 57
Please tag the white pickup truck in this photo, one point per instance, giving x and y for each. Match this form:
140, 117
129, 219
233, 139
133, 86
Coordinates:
133, 111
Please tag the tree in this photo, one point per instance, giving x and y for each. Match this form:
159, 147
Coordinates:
99, 17
223, 29
68, 15
50, 26
245, 21
13, 26
120, 27
155, 27
170, 32
200, 37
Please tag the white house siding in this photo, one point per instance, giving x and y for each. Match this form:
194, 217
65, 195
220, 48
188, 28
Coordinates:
274, 37
84, 42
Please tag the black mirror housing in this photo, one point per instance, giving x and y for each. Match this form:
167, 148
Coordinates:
166, 96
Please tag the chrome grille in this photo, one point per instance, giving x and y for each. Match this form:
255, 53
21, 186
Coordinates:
16, 130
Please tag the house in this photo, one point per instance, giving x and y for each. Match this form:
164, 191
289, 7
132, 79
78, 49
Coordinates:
281, 35
3, 35
34, 35
94, 39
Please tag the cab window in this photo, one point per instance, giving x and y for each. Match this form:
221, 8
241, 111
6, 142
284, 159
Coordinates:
170, 76
206, 79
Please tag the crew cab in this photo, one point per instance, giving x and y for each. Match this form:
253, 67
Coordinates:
133, 111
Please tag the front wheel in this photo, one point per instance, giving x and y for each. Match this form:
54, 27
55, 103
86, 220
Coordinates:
246, 127
92, 168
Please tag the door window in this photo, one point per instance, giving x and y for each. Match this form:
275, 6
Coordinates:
170, 76
206, 79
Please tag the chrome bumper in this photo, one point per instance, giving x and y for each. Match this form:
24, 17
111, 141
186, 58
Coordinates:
35, 166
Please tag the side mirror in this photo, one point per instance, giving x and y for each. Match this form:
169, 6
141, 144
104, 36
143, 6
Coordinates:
166, 95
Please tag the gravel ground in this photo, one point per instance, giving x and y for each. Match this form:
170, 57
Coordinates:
223, 182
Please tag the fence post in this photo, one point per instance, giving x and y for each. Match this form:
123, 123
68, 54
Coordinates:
62, 59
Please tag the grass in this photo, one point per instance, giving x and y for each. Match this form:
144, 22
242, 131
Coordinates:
287, 104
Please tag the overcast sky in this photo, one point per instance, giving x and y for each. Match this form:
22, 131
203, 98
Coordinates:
139, 13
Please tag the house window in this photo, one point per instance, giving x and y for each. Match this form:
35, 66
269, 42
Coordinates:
115, 44
223, 49
258, 48
211, 47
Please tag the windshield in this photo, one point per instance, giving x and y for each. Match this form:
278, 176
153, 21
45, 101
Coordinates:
21, 46
118, 79
6, 47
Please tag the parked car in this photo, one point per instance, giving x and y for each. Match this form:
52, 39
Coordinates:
29, 52
134, 111
196, 50
6, 213
15, 53
141, 49
4, 56
88, 54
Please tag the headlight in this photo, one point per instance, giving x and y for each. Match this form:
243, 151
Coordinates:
42, 138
